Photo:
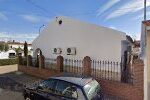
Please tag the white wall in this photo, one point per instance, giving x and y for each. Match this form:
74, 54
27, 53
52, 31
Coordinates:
144, 56
5, 55
90, 40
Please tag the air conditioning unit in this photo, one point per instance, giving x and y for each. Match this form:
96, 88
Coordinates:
71, 51
57, 51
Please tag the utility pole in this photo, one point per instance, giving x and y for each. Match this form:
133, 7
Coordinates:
145, 20
144, 10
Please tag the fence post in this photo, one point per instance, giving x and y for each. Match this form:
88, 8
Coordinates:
41, 61
27, 61
60, 61
87, 66
138, 67
20, 60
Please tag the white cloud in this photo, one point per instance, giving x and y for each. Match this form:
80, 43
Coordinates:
35, 19
3, 16
112, 27
141, 16
16, 36
31, 18
135, 36
128, 8
107, 6
138, 36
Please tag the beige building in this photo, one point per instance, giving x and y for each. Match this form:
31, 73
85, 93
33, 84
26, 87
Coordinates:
14, 45
145, 55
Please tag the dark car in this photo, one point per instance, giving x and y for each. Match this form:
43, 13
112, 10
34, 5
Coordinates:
64, 88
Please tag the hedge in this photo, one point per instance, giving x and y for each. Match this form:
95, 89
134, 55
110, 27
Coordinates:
8, 61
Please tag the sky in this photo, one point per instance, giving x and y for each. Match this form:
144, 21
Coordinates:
21, 19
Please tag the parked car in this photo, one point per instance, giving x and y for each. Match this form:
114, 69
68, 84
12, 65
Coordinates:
64, 88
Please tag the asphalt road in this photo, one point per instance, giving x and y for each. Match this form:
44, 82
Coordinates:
11, 85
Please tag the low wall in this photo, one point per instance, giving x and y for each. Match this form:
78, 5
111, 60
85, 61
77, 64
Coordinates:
42, 73
121, 90
125, 91
8, 68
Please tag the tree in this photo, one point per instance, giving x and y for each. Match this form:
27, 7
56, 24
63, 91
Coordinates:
1, 46
18, 50
4, 47
25, 49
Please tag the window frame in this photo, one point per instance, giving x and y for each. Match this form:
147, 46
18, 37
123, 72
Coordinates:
70, 84
48, 92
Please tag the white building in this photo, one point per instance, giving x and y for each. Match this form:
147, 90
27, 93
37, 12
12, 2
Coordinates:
15, 45
145, 55
83, 39
8, 54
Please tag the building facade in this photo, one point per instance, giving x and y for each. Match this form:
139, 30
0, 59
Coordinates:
15, 45
145, 55
72, 38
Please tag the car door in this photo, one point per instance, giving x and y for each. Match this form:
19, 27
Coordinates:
66, 91
45, 90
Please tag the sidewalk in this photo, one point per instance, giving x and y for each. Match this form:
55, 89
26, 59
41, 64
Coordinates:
8, 68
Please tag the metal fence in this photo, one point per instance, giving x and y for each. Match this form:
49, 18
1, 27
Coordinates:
106, 70
114, 71
34, 62
24, 61
73, 66
50, 63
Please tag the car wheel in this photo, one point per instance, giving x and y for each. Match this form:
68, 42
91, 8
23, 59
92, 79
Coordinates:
27, 98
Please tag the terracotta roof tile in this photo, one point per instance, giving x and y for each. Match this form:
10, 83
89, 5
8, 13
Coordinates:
147, 22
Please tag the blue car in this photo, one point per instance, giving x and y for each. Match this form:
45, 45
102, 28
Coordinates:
64, 88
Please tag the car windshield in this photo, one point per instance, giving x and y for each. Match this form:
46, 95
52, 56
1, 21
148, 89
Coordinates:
91, 89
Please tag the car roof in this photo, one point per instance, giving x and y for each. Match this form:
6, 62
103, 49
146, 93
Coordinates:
78, 80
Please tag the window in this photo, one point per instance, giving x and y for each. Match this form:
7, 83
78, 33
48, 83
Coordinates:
92, 89
12, 55
48, 86
66, 89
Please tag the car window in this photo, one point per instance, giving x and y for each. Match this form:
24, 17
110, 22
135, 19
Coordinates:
66, 89
47, 86
92, 89
80, 94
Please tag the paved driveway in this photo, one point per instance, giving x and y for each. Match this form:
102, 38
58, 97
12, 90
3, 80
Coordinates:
11, 85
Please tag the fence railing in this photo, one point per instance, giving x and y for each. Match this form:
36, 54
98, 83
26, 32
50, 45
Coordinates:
100, 69
73, 66
114, 71
106, 70
34, 62
50, 63
24, 61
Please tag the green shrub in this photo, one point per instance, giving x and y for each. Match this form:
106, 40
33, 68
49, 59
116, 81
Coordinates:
8, 61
